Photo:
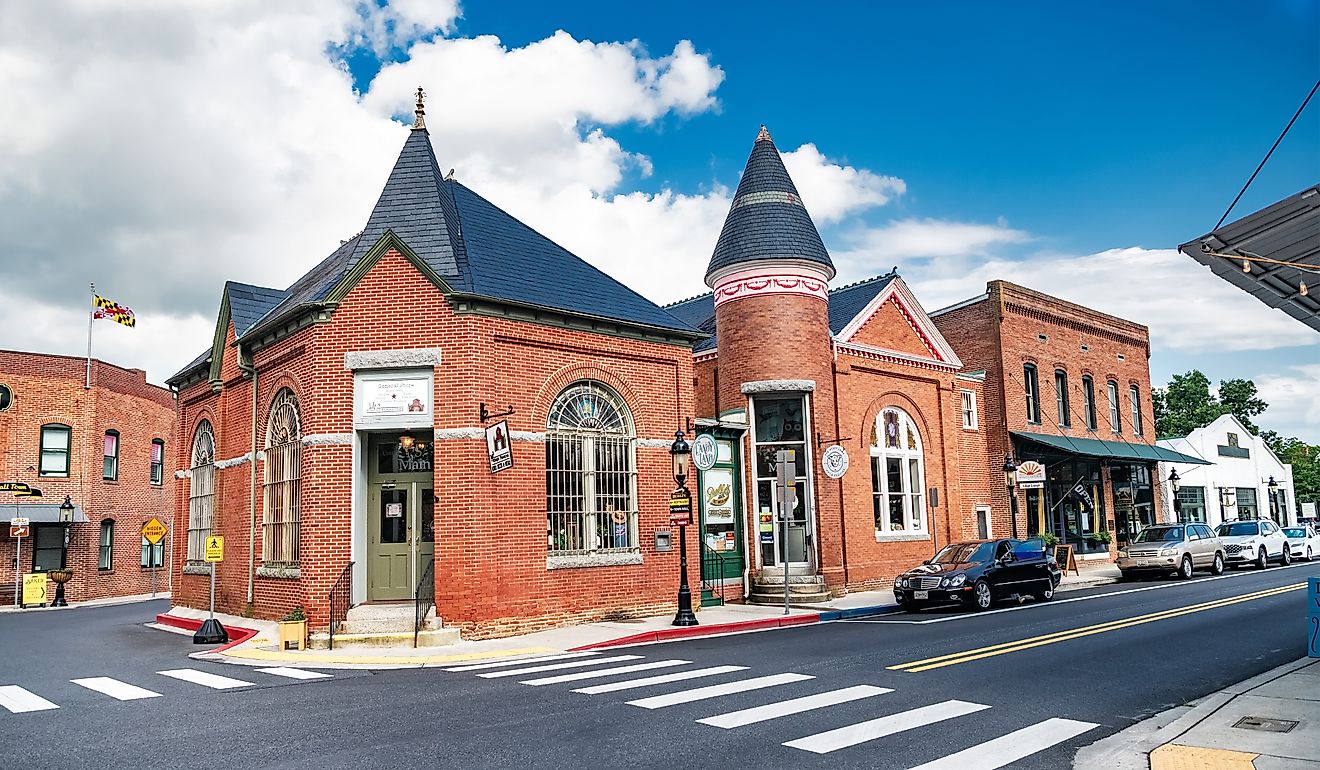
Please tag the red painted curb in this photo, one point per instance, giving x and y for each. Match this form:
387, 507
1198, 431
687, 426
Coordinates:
665, 634
236, 635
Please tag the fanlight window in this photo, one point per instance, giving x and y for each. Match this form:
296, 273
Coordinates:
282, 497
590, 473
201, 491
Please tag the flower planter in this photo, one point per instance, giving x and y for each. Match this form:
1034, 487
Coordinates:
293, 632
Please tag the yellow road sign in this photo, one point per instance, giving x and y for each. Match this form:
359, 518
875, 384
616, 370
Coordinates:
34, 588
153, 531
215, 548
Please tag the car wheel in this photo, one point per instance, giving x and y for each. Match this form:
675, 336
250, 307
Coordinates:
981, 598
1262, 559
1046, 595
1185, 569
1218, 567
1286, 558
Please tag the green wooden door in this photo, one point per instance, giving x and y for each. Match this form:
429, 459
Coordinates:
722, 514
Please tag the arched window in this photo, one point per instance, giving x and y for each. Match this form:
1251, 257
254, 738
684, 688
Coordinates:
590, 472
280, 512
898, 474
201, 491
1115, 415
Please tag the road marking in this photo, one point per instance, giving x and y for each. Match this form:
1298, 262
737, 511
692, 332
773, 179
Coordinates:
795, 706
1010, 748
596, 674
214, 681
294, 673
680, 676
18, 700
716, 690
555, 666
115, 688
824, 743
966, 656
522, 661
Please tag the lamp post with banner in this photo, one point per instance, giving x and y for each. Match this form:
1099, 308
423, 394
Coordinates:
680, 513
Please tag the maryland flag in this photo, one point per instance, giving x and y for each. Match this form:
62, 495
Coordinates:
116, 312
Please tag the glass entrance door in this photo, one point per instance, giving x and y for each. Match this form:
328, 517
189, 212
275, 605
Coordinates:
400, 515
389, 571
780, 423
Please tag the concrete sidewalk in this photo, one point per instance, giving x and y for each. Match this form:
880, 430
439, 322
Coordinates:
107, 602
1092, 573
1238, 727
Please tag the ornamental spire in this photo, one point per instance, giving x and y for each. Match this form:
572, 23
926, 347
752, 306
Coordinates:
420, 121
764, 136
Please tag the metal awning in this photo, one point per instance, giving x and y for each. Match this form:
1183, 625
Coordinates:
1286, 232
1111, 450
40, 513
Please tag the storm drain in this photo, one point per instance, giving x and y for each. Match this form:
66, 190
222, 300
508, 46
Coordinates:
1266, 724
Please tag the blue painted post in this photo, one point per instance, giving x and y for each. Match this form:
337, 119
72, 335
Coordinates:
1313, 617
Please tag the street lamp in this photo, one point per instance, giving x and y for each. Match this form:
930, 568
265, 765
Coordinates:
1010, 473
66, 521
1273, 487
1174, 478
680, 453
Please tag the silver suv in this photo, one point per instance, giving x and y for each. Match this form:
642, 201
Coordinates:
1254, 541
1173, 547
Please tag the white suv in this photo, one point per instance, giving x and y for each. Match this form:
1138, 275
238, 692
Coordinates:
1258, 542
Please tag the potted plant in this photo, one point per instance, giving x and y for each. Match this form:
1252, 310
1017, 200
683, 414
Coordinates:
60, 576
293, 629
1050, 539
1104, 538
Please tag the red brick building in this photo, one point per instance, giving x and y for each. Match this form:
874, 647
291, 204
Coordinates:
102, 448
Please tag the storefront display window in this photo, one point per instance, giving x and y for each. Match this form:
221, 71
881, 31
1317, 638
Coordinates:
1246, 503
1191, 504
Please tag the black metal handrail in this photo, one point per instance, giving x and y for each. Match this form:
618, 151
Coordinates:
712, 563
341, 599
424, 598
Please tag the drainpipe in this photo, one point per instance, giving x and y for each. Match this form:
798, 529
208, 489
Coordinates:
251, 369
843, 520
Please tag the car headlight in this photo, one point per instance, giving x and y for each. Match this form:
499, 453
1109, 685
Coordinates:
944, 583
1122, 553
902, 583
958, 580
1168, 551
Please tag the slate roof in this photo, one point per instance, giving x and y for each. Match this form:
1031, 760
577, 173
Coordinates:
767, 219
248, 303
697, 312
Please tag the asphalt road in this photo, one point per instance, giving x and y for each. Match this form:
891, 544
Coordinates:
1067, 673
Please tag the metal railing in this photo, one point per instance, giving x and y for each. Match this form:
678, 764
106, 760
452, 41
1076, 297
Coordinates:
341, 598
712, 563
424, 598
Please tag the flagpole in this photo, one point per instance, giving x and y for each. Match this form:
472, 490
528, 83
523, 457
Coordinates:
91, 314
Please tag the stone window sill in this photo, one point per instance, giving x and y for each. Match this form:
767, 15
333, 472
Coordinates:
280, 573
196, 568
901, 537
593, 560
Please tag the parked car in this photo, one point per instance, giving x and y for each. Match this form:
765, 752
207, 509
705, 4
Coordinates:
1303, 541
1254, 541
1173, 547
980, 572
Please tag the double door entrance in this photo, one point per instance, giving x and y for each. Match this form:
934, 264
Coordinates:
400, 514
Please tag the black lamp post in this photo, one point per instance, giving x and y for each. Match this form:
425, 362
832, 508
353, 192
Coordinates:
681, 453
1174, 478
1273, 487
1010, 471
66, 521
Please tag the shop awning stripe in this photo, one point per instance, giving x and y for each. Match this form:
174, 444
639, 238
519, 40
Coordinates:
1115, 450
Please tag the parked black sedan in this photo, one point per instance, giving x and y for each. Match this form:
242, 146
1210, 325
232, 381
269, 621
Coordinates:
980, 572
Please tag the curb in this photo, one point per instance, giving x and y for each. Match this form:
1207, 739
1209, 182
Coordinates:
237, 635
736, 627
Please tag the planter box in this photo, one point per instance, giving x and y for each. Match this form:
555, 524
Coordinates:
293, 634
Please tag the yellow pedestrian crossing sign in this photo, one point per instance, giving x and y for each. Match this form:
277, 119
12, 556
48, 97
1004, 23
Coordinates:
153, 531
215, 548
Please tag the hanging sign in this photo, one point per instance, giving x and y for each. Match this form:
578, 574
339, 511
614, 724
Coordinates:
18, 527
1031, 475
834, 461
704, 452
153, 531
19, 489
215, 548
34, 588
680, 507
497, 446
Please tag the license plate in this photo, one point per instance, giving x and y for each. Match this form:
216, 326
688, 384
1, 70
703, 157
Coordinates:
921, 594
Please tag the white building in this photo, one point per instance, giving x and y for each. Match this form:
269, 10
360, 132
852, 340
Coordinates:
1245, 480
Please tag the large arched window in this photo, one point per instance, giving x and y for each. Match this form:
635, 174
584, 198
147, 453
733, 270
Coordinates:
898, 474
281, 501
201, 491
590, 472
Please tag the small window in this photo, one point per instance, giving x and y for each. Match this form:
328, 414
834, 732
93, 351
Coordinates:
153, 555
105, 559
1115, 416
1086, 348
54, 450
1088, 400
157, 461
969, 409
1031, 386
110, 461
1043, 337
1122, 357
1061, 396
1134, 395
48, 550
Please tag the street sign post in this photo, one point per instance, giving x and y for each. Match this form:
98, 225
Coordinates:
786, 497
18, 529
152, 532
211, 631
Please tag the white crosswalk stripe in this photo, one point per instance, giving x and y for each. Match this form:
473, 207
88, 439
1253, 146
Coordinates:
598, 673
716, 690
115, 688
557, 666
794, 706
1010, 748
20, 701
214, 681
629, 684
832, 740
294, 673
521, 661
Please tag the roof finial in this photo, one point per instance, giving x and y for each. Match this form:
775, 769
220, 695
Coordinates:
420, 121
764, 136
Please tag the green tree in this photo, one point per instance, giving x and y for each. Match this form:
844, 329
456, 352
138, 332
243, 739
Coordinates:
1187, 404
1305, 461
1238, 398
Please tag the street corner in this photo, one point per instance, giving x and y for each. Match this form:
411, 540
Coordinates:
263, 652
1174, 756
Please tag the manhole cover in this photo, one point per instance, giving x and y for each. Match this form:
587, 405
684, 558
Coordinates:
1266, 724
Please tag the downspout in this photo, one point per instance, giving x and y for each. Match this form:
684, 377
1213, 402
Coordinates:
251, 368
843, 522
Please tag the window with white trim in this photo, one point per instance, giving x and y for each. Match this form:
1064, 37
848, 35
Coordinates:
897, 474
1031, 387
969, 409
201, 491
1134, 395
105, 556
110, 456
1115, 415
590, 473
153, 555
282, 490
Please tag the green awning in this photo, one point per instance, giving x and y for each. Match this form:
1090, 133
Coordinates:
1113, 450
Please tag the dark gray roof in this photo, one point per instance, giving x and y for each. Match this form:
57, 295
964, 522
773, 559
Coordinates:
248, 303
697, 312
1287, 231
767, 219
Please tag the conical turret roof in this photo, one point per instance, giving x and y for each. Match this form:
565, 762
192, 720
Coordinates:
767, 220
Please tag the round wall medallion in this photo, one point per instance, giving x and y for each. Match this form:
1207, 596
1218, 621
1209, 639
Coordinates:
704, 452
6, 397
835, 461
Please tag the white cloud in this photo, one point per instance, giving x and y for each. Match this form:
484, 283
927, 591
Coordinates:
831, 191
1294, 399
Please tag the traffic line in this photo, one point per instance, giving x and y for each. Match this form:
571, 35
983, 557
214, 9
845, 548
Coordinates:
629, 684
115, 688
521, 661
597, 673
770, 711
979, 653
1009, 748
294, 673
556, 666
716, 690
843, 737
214, 681
19, 701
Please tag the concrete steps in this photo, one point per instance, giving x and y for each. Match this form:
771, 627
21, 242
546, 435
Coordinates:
387, 625
438, 637
768, 588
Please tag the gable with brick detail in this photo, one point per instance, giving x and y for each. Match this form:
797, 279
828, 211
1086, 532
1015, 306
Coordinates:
893, 325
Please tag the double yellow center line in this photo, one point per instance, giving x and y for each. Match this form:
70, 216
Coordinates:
1062, 636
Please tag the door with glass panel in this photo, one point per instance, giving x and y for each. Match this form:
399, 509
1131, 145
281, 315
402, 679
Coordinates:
781, 424
400, 515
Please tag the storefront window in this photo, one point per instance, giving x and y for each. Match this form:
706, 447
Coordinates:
897, 474
1191, 504
1134, 500
48, 548
719, 509
1246, 503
